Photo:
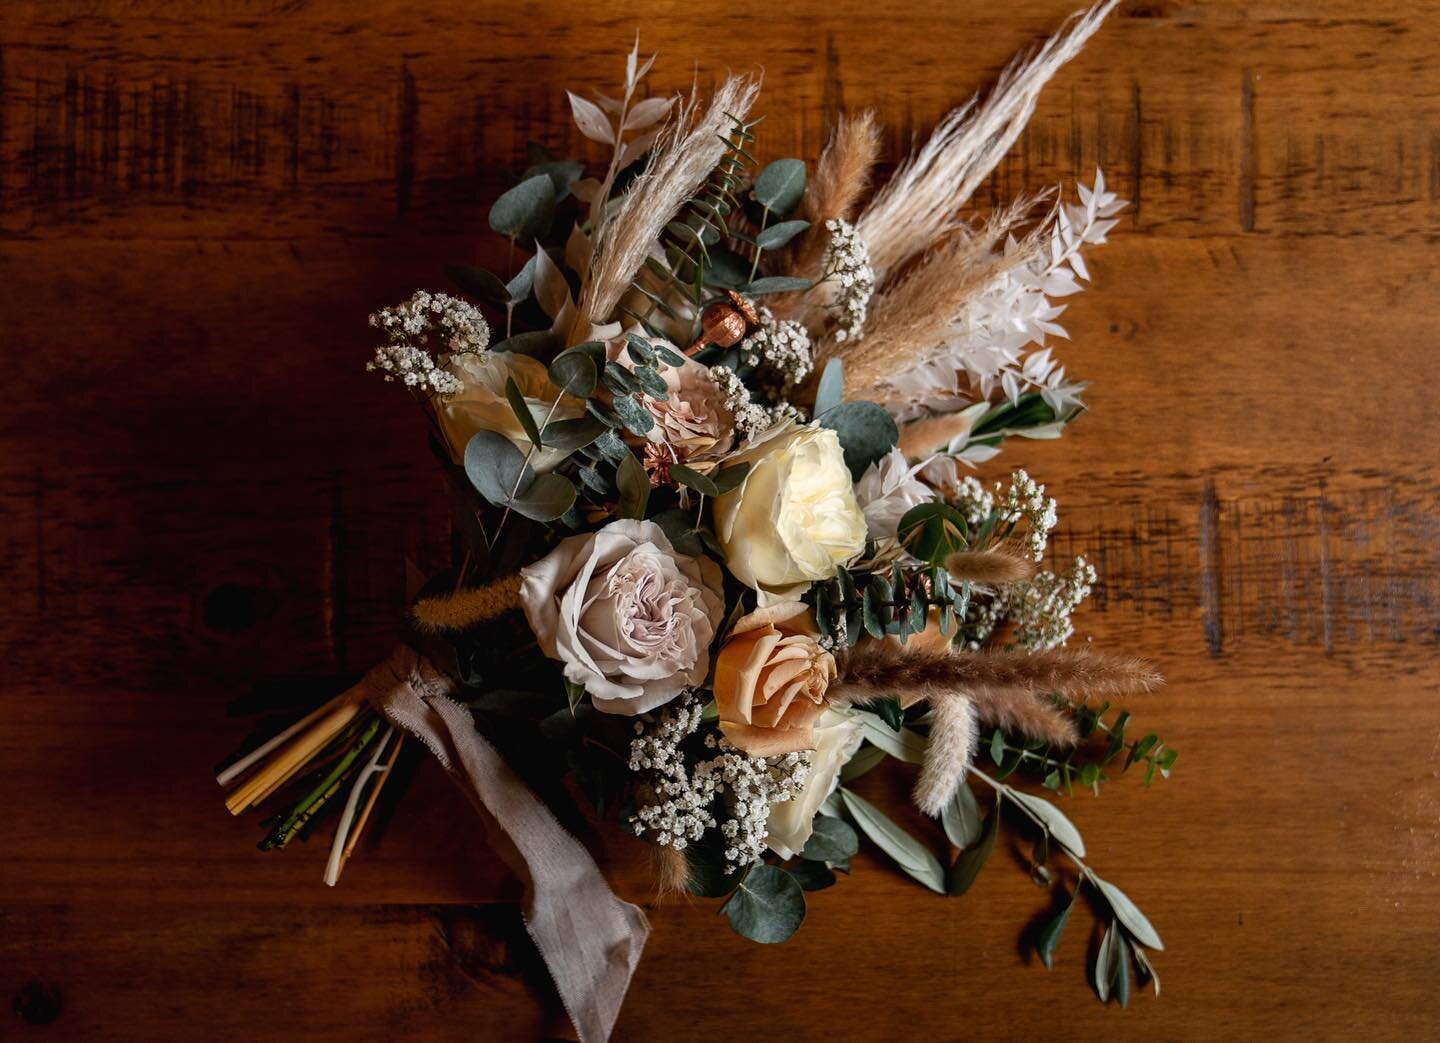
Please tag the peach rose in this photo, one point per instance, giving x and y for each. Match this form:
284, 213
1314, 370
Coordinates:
770, 680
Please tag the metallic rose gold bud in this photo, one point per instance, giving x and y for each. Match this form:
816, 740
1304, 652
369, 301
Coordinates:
725, 323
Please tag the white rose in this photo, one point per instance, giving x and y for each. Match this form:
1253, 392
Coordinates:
482, 405
631, 619
794, 519
837, 737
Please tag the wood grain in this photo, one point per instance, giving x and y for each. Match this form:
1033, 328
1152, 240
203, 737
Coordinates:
200, 490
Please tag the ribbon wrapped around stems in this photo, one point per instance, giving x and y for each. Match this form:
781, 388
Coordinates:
589, 938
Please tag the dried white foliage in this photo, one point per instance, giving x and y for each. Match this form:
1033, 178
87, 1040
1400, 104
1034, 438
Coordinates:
686, 151
920, 203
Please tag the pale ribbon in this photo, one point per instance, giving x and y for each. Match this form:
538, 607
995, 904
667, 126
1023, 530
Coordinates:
590, 940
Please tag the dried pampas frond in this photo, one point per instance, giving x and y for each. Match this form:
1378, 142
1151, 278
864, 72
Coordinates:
1033, 716
841, 177
910, 320
923, 198
920, 438
949, 754
997, 567
880, 668
469, 607
672, 870
683, 158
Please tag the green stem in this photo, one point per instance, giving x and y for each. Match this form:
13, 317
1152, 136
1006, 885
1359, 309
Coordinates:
326, 788
755, 264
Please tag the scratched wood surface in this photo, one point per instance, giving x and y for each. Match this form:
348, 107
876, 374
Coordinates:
200, 490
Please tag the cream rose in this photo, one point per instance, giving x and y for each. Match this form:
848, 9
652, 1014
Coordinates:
837, 737
482, 405
631, 619
771, 676
794, 519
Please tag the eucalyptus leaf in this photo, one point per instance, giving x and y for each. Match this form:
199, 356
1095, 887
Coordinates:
729, 478
521, 409
544, 499
692, 478
573, 372
562, 173
866, 431
813, 876
478, 282
780, 185
1130, 915
726, 269
569, 435
831, 389
1059, 827
909, 854
776, 236
524, 211
534, 342
961, 817
641, 353
635, 418
518, 288
634, 486
652, 383
768, 905
775, 284
970, 861
831, 840
495, 467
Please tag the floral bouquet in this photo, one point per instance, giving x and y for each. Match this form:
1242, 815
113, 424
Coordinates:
719, 549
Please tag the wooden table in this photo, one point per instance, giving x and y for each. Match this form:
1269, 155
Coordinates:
201, 489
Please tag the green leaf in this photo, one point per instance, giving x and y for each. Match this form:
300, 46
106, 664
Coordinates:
728, 478
932, 531
535, 342
478, 282
619, 380
521, 409
831, 840
866, 433
889, 711
726, 270
641, 353
909, 854
569, 435
651, 382
831, 389
688, 476
518, 288
573, 372
776, 236
495, 467
865, 758
1104, 959
813, 876
967, 867
611, 446
1122, 971
1050, 936
634, 486
780, 185
768, 905
1147, 969
905, 745
870, 609
562, 173
1058, 826
633, 415
524, 211
574, 693
961, 818
997, 747
1130, 915
775, 284
545, 499
669, 357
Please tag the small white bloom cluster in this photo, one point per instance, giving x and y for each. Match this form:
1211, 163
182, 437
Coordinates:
413, 367
750, 786
459, 328
1026, 499
782, 348
750, 417
1042, 607
974, 501
681, 812
847, 261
